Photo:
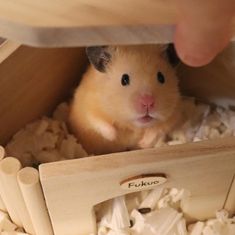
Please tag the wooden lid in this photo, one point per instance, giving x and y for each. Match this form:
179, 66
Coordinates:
86, 22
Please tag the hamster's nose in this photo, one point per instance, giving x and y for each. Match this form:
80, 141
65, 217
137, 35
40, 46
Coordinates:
145, 103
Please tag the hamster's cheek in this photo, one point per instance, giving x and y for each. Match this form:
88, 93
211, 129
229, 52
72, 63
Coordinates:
167, 99
119, 104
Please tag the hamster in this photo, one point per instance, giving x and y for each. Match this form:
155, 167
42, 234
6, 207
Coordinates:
127, 99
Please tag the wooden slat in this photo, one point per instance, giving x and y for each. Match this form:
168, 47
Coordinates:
87, 22
72, 188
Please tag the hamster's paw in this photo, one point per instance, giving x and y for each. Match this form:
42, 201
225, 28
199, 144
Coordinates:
105, 129
108, 132
144, 143
147, 140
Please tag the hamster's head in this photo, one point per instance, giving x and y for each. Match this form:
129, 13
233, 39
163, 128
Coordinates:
138, 85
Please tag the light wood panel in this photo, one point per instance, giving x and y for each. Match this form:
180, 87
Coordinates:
87, 22
82, 13
72, 188
32, 82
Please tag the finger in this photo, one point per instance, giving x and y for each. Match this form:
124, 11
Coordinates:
202, 31
197, 48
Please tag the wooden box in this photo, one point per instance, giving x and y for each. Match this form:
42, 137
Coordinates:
34, 80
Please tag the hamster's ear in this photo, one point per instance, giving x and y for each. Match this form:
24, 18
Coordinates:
99, 57
172, 55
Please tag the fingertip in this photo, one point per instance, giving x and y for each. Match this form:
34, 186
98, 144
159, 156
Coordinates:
193, 59
196, 48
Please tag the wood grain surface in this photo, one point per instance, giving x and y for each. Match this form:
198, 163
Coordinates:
87, 22
205, 168
33, 81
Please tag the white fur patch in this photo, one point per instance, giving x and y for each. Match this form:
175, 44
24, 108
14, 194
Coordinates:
103, 128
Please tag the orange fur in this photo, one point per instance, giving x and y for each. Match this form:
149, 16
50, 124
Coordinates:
102, 112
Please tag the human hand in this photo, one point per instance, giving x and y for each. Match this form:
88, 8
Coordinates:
204, 29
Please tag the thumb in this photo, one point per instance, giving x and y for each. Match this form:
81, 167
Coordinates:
202, 32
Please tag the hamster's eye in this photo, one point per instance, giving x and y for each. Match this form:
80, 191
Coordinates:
125, 79
160, 77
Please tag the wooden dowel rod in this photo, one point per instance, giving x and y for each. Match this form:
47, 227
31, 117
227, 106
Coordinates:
9, 168
28, 179
7, 198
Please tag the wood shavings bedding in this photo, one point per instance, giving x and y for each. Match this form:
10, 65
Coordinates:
153, 212
45, 140
202, 122
48, 139
157, 213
